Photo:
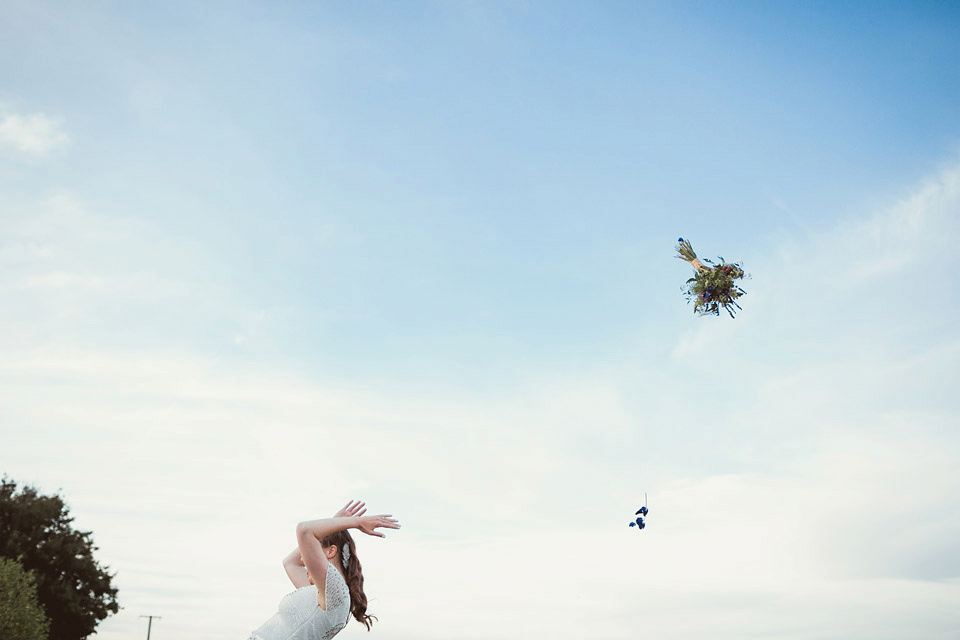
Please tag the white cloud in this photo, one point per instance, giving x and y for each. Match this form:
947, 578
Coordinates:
33, 134
204, 451
65, 268
60, 280
815, 497
915, 230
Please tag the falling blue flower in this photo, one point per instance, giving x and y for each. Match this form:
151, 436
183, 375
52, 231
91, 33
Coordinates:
641, 512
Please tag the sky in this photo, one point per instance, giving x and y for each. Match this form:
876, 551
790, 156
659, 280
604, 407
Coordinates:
259, 259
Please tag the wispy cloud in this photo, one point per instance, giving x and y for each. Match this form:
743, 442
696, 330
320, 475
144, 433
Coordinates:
514, 499
33, 134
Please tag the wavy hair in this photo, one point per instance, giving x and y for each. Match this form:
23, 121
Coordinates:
353, 573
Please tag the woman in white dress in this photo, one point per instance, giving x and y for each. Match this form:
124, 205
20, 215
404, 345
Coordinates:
329, 581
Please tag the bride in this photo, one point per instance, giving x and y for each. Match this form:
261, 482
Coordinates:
327, 574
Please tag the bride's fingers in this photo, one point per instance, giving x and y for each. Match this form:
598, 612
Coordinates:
389, 523
352, 507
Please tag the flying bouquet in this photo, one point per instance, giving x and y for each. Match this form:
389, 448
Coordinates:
713, 286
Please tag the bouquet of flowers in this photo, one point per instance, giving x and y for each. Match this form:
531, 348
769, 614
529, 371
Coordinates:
713, 286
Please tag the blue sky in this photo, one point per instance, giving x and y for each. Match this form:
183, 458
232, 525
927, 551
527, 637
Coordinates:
258, 260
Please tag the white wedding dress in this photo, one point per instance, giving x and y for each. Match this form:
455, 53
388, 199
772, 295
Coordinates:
300, 617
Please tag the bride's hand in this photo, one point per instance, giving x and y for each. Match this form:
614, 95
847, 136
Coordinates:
352, 508
369, 524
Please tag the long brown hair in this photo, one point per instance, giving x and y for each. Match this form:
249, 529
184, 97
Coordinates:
353, 573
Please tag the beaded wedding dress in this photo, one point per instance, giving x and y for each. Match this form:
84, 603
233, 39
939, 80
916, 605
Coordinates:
300, 617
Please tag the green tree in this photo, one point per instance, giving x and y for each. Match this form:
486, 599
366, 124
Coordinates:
21, 616
75, 591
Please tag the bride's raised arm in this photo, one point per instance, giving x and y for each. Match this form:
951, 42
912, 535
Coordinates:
310, 533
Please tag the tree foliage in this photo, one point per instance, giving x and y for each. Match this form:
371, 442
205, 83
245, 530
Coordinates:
75, 591
21, 616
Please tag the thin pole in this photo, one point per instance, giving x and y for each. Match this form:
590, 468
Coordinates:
150, 623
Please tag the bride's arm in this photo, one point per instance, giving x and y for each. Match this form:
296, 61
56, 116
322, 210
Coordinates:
311, 532
309, 535
293, 564
296, 570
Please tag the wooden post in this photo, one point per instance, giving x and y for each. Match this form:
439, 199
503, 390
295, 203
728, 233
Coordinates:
150, 623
